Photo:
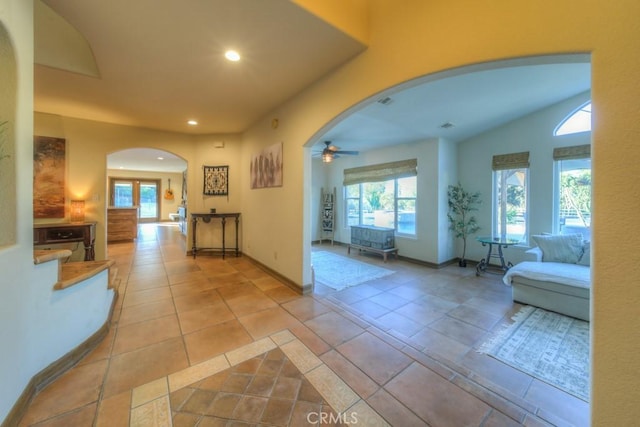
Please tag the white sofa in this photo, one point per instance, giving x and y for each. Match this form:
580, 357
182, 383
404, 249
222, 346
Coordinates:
564, 286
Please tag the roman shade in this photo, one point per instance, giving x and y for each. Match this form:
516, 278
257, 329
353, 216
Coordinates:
510, 161
381, 172
574, 152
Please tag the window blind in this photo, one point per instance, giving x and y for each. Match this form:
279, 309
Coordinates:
381, 172
574, 152
511, 161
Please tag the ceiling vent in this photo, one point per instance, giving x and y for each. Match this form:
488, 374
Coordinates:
447, 125
385, 101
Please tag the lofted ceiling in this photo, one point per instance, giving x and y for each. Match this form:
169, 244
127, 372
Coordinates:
158, 63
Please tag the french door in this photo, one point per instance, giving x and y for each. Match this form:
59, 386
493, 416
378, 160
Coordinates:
130, 192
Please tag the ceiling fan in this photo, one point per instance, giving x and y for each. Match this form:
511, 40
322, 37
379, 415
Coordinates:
331, 151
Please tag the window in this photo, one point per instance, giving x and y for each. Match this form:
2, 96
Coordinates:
390, 204
573, 190
577, 121
510, 212
382, 195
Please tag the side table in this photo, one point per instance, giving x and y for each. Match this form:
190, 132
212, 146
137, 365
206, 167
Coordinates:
498, 243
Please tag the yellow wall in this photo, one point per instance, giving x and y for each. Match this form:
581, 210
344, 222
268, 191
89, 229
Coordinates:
416, 37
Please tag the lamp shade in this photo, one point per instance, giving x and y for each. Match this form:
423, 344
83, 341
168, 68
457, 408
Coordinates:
77, 211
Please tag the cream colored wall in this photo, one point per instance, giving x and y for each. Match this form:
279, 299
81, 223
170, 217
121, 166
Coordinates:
416, 38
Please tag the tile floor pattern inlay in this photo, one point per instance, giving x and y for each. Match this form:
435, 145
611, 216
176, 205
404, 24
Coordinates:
400, 350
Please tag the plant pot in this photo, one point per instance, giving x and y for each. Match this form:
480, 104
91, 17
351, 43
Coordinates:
462, 263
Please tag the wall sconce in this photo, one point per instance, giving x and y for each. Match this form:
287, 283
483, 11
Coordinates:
77, 211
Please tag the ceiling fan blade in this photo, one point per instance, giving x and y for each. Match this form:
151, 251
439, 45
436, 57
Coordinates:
346, 152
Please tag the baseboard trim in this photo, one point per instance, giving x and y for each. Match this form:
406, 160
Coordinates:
304, 290
56, 369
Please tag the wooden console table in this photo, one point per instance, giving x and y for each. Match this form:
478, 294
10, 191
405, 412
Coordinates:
206, 218
85, 232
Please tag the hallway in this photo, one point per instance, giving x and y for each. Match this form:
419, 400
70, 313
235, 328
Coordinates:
226, 343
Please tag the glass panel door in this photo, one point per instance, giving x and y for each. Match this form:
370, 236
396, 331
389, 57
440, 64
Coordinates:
148, 201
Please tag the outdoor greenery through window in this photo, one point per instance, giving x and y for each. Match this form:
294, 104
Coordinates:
390, 204
510, 207
574, 197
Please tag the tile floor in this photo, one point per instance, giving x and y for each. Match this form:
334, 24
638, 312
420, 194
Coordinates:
402, 347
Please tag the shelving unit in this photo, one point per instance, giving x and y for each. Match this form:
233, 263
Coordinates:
327, 215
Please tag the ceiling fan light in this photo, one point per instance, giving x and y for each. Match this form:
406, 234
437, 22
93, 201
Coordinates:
327, 157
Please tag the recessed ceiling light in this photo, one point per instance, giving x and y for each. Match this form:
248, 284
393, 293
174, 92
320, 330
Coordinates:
160, 158
232, 55
192, 122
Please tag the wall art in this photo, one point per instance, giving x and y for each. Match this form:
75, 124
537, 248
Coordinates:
266, 167
48, 177
216, 181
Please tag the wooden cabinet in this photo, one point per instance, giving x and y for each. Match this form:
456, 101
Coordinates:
122, 224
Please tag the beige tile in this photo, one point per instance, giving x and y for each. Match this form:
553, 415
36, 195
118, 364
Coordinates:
149, 391
146, 296
436, 400
156, 413
301, 356
366, 416
138, 367
197, 372
335, 391
282, 337
197, 301
78, 387
249, 303
282, 294
350, 373
114, 411
142, 312
194, 320
143, 334
82, 417
214, 340
249, 351
333, 328
393, 411
267, 322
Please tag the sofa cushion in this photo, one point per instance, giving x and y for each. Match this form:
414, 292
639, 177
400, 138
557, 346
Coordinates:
585, 259
567, 248
558, 272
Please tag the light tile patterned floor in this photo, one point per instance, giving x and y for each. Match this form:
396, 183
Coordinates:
401, 349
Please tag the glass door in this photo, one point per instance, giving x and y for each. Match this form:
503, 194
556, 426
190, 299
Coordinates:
131, 192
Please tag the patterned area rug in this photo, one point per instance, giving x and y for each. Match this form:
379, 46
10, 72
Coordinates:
551, 347
340, 272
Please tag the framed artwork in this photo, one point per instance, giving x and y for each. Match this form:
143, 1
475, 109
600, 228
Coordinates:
266, 167
48, 177
216, 181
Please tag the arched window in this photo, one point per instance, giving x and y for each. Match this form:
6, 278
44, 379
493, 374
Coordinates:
578, 121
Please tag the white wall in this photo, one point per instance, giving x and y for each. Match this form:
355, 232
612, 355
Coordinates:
533, 133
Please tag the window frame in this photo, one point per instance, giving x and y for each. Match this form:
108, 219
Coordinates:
396, 199
557, 173
495, 221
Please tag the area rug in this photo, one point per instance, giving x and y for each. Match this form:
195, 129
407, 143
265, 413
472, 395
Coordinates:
338, 272
551, 347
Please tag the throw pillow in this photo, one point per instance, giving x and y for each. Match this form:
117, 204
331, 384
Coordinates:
585, 259
565, 248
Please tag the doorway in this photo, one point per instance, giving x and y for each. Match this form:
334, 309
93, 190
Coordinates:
130, 192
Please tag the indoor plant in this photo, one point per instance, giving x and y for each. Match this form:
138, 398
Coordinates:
461, 221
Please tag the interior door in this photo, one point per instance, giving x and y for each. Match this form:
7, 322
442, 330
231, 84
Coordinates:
130, 192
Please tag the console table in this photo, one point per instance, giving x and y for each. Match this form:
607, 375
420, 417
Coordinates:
48, 234
206, 218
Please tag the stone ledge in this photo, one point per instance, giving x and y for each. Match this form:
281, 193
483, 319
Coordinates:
46, 255
76, 272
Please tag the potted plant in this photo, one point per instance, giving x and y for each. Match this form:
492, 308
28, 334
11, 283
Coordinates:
461, 221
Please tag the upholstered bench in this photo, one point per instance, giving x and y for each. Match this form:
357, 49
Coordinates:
563, 287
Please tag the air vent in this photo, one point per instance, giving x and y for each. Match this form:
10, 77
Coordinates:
385, 101
447, 125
